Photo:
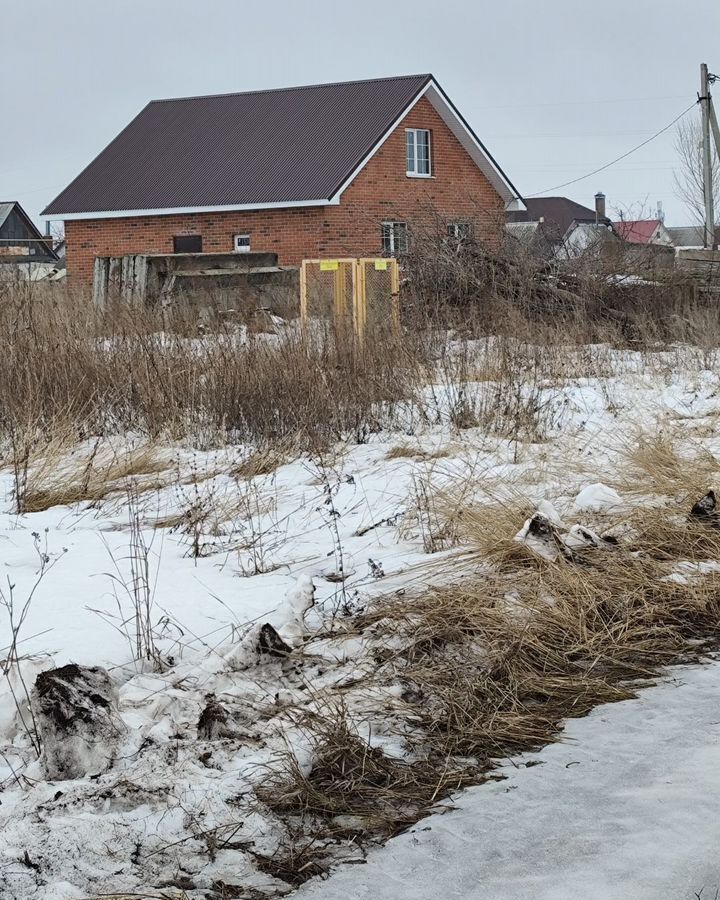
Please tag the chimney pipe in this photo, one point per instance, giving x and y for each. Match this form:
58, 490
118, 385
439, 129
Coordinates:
599, 206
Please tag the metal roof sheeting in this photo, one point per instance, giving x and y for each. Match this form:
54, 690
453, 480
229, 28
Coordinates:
282, 146
637, 231
5, 210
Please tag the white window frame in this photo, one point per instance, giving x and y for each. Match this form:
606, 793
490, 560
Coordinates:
392, 242
411, 161
237, 247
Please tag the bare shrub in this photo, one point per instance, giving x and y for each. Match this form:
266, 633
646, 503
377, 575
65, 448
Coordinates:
11, 666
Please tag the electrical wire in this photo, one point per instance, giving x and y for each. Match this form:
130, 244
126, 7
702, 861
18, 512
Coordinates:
619, 158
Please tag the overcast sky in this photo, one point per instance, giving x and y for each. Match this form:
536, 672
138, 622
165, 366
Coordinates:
555, 88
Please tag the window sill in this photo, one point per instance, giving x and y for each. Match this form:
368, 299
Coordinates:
415, 175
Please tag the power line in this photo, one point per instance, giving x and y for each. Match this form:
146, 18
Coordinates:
619, 158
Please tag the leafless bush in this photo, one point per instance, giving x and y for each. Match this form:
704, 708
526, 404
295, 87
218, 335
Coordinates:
12, 665
610, 297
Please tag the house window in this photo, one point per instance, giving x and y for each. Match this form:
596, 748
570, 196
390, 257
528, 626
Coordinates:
460, 231
242, 243
187, 243
417, 146
394, 238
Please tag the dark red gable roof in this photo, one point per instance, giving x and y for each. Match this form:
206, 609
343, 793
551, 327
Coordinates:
636, 231
280, 146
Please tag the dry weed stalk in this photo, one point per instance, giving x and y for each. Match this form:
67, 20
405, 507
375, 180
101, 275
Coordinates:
66, 366
138, 590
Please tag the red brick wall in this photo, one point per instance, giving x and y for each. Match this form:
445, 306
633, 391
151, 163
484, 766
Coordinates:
381, 191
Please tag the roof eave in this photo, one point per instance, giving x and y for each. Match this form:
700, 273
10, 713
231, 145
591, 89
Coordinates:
54, 214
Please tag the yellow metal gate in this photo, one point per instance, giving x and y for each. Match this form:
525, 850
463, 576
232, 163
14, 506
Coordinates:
354, 293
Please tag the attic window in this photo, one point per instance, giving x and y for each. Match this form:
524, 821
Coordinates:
417, 147
187, 243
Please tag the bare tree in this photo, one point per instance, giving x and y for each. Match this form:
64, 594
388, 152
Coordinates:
689, 171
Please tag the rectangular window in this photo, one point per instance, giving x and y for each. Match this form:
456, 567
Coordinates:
417, 152
461, 231
187, 243
394, 238
242, 243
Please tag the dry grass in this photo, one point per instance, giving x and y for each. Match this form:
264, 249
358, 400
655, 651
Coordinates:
294, 863
669, 534
491, 666
59, 477
349, 778
665, 462
413, 451
542, 642
263, 461
470, 510
64, 365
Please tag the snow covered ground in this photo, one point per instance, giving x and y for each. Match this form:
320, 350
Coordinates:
355, 525
625, 806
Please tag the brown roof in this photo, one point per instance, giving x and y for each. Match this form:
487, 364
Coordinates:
280, 146
557, 213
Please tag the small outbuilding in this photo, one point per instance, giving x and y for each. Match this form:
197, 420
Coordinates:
21, 242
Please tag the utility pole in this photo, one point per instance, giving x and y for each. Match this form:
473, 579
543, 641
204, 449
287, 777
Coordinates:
707, 158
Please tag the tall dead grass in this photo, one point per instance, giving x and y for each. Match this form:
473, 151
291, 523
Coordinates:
65, 366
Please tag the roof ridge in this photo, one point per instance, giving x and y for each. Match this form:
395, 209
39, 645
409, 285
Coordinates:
298, 87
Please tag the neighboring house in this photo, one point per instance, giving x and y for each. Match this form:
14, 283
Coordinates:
690, 237
320, 171
643, 231
20, 240
560, 228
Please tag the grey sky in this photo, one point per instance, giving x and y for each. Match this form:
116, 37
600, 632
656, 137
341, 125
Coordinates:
555, 88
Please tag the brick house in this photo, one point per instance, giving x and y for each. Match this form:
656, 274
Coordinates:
327, 170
